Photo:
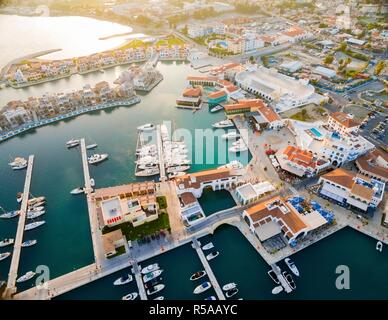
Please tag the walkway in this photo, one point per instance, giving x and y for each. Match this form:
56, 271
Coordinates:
281, 278
13, 269
137, 272
162, 168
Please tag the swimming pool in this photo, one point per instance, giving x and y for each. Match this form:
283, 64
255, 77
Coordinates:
316, 132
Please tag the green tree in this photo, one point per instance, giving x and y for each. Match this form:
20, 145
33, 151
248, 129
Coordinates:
328, 59
379, 67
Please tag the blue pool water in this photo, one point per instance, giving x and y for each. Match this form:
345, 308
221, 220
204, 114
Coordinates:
316, 132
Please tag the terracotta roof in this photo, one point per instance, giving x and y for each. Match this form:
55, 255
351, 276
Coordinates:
344, 119
217, 94
368, 164
245, 103
202, 78
294, 31
224, 67
362, 192
109, 239
269, 113
341, 176
193, 180
188, 198
192, 92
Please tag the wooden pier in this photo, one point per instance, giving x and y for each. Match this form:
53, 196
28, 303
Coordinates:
281, 278
197, 246
13, 269
139, 281
162, 168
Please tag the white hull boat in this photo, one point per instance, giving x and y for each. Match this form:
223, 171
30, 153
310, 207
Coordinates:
211, 298
92, 182
177, 168
234, 164
291, 265
19, 197
150, 268
72, 143
18, 164
277, 290
202, 287
33, 225
29, 243
152, 275
159, 298
78, 190
208, 246
231, 292
147, 172
236, 149
10, 214
146, 127
216, 108
4, 255
6, 242
91, 146
176, 174
229, 286
223, 124
379, 246
130, 296
123, 280
289, 279
97, 158
36, 214
212, 255
35, 209
230, 135
155, 289
29, 275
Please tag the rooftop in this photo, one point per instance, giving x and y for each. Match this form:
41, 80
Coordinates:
344, 119
193, 180
375, 163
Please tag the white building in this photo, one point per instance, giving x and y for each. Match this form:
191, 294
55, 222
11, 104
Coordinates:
326, 72
342, 123
291, 66
249, 192
19, 77
17, 116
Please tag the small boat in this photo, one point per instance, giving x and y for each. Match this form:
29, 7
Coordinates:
176, 174
234, 164
202, 287
102, 70
223, 124
155, 289
289, 279
97, 158
291, 265
152, 275
92, 146
177, 168
208, 246
197, 275
273, 276
238, 146
153, 282
92, 182
123, 280
159, 298
130, 296
231, 292
146, 127
216, 108
277, 290
10, 214
4, 255
35, 209
34, 201
19, 197
148, 172
150, 268
27, 276
212, 255
72, 143
379, 246
78, 190
6, 242
229, 286
230, 135
29, 243
210, 298
37, 205
36, 214
19, 163
33, 225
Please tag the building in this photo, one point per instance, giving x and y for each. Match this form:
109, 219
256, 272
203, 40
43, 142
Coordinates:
325, 72
217, 97
301, 163
190, 97
291, 66
111, 242
374, 165
343, 123
249, 192
191, 211
16, 115
235, 45
352, 190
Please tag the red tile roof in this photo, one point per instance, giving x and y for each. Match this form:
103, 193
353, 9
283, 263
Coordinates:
344, 119
217, 94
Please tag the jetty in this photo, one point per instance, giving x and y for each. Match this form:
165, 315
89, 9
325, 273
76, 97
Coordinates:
197, 246
281, 278
139, 281
162, 168
13, 269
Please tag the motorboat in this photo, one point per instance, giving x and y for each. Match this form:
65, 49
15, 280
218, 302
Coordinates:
146, 149
202, 287
34, 201
231, 292
212, 255
29, 243
123, 280
6, 242
177, 168
4, 255
146, 127
36, 214
10, 214
273, 276
148, 166
150, 268
234, 164
223, 124
240, 147
147, 160
216, 108
91, 146
198, 275
147, 172
230, 135
379, 246
159, 298
208, 246
277, 290
289, 279
92, 182
19, 197
176, 174
97, 158
33, 225
19, 163
72, 143
155, 289
291, 265
210, 298
152, 275
29, 275
35, 209
130, 296
229, 286
37, 205
153, 282
78, 190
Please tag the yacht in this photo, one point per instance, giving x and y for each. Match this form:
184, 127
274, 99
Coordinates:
230, 135
27, 276
91, 146
211, 298
92, 182
291, 265
277, 290
29, 243
379, 246
72, 143
153, 282
97, 158
34, 201
35, 209
19, 197
289, 279
146, 149
155, 289
178, 168
4, 255
231, 292
273, 276
36, 214
223, 124
234, 164
238, 146
152, 275
208, 246
197, 275
229, 286
146, 127
19, 163
10, 214
147, 160
37, 205
148, 172
159, 298
216, 108
6, 242
176, 174
130, 296
150, 268
123, 280
202, 287
33, 225
147, 166
212, 255
77, 190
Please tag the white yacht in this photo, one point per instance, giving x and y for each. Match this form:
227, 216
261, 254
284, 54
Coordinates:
91, 146
202, 287
234, 164
212, 255
229, 286
35, 209
6, 242
155, 289
97, 158
289, 279
92, 182
29, 243
72, 143
4, 255
19, 163
123, 280
216, 108
130, 296
208, 246
33, 225
27, 276
177, 168
19, 197
277, 290
147, 160
159, 298
34, 201
223, 124
148, 172
10, 214
35, 214
291, 265
37, 205
231, 292
176, 174
379, 246
77, 190
152, 275
239, 146
150, 268
230, 135
146, 127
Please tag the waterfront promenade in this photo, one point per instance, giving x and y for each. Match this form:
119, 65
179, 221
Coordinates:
13, 269
162, 168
